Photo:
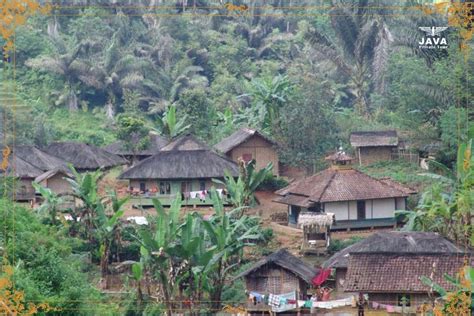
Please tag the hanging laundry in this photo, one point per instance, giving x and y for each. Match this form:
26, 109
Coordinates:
219, 191
308, 304
258, 297
390, 308
273, 300
321, 277
290, 301
300, 303
375, 305
398, 309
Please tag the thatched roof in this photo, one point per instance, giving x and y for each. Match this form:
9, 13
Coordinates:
312, 219
156, 143
84, 156
186, 143
374, 138
38, 157
287, 261
20, 168
183, 158
239, 137
395, 242
388, 273
51, 173
333, 185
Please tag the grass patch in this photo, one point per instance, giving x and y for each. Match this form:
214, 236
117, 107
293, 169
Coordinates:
401, 171
81, 126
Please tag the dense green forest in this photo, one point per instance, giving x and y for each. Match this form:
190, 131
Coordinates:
308, 80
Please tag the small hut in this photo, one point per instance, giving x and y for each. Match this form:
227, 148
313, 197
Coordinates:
21, 173
279, 273
373, 146
119, 148
248, 144
84, 157
316, 231
186, 166
55, 179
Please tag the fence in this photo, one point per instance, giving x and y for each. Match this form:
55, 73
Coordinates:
406, 156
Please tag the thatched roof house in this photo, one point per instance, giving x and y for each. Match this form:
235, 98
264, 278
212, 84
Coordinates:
373, 146
84, 156
247, 144
38, 157
156, 143
185, 166
388, 264
279, 273
25, 172
183, 158
348, 193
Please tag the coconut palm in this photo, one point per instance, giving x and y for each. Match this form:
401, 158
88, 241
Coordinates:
359, 50
66, 63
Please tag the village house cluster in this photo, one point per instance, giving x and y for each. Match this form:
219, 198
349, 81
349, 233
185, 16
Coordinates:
385, 267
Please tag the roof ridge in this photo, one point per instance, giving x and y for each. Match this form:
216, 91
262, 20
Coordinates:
327, 184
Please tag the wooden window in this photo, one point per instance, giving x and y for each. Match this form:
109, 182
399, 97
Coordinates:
165, 187
186, 186
202, 185
142, 186
360, 210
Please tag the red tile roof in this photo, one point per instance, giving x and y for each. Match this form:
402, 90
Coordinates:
333, 185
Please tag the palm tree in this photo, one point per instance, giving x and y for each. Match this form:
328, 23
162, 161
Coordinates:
66, 62
359, 50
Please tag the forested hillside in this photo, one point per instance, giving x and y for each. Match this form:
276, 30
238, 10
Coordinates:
306, 76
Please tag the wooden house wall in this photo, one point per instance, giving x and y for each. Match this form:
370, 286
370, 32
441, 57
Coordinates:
57, 184
391, 298
275, 280
261, 150
24, 189
369, 155
175, 185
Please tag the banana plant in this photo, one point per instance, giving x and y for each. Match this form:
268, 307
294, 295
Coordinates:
228, 234
463, 285
85, 188
242, 190
159, 247
170, 126
107, 229
447, 206
51, 202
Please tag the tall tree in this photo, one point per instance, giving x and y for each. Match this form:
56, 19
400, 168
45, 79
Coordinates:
359, 50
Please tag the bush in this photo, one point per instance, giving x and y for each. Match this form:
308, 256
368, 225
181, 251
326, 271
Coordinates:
272, 183
337, 244
46, 269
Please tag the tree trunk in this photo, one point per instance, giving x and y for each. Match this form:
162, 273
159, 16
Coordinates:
104, 264
166, 294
